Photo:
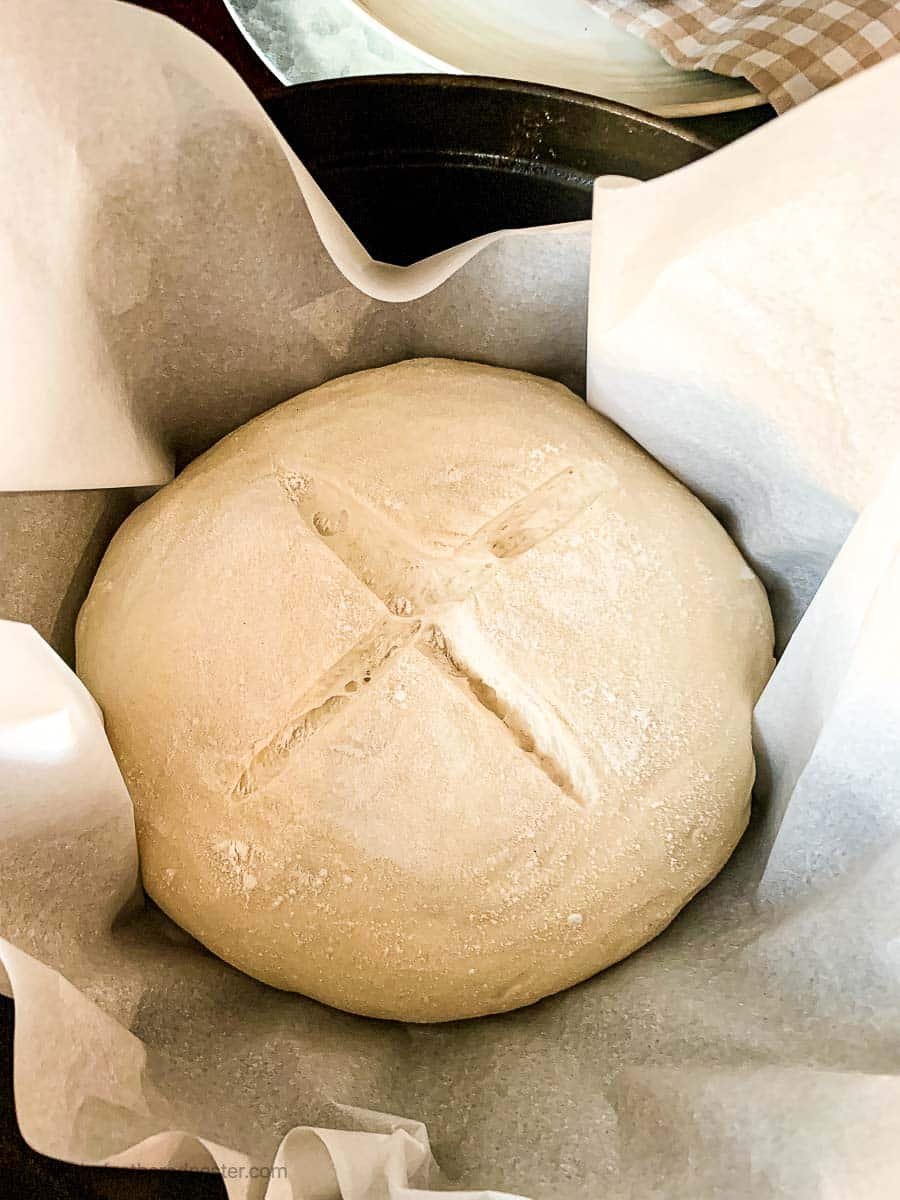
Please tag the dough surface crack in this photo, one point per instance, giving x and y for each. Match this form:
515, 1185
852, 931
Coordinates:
423, 593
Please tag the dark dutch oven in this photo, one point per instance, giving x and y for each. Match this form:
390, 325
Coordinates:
416, 163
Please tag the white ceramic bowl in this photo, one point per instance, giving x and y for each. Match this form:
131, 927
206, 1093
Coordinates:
565, 43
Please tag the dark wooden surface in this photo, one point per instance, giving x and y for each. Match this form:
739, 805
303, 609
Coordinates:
23, 1173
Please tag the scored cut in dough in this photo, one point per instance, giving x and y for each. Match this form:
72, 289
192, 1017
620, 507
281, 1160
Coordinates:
431, 689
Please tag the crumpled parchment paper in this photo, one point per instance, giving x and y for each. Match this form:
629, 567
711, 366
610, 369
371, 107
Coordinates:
167, 270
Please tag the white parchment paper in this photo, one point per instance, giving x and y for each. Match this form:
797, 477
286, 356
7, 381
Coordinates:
167, 270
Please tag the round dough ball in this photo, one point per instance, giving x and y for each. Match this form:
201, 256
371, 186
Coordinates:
431, 689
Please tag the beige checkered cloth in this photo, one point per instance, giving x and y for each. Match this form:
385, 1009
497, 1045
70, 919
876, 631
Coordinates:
788, 51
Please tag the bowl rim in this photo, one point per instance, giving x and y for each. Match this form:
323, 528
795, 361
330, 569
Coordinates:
457, 82
749, 98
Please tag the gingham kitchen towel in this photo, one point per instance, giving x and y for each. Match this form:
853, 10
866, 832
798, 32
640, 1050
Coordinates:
788, 50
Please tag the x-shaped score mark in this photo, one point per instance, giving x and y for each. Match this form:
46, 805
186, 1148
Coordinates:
423, 594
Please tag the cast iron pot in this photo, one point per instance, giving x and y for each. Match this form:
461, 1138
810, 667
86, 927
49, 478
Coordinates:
416, 163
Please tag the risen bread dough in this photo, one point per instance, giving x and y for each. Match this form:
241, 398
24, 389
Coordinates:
431, 689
